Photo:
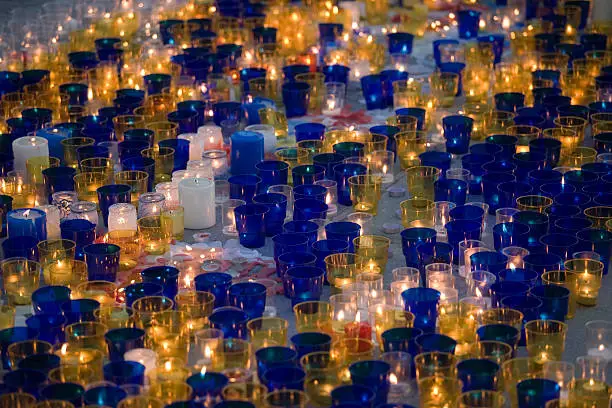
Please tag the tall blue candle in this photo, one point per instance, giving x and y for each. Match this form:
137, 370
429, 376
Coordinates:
27, 222
247, 151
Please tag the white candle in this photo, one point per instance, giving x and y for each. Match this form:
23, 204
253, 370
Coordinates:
269, 136
26, 147
181, 174
200, 169
211, 136
602, 351
144, 356
53, 221
195, 145
217, 159
122, 217
170, 191
197, 196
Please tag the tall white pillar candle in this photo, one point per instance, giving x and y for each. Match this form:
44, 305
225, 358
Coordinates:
53, 220
269, 136
26, 147
122, 217
197, 196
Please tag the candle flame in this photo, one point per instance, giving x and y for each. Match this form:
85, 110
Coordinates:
188, 248
64, 349
478, 293
340, 315
358, 317
392, 378
168, 366
26, 213
601, 347
207, 352
203, 371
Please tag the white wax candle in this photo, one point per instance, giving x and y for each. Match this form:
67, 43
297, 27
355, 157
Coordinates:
269, 136
170, 191
195, 145
200, 169
197, 196
122, 217
211, 135
53, 221
26, 147
144, 356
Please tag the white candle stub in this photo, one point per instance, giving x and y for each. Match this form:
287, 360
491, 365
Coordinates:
601, 351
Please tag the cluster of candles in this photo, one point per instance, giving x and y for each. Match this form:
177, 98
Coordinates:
119, 136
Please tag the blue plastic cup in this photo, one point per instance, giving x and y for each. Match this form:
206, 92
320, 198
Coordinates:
596, 240
509, 101
349, 149
289, 242
440, 160
274, 356
296, 97
166, 276
310, 342
67, 391
217, 283
342, 173
558, 211
325, 247
310, 191
510, 234
277, 206
80, 310
124, 372
82, 232
401, 339
478, 374
139, 290
423, 304
307, 174
490, 261
474, 162
500, 290
328, 161
336, 73
49, 299
536, 392
440, 252
42, 362
452, 190
250, 225
112, 194
109, 395
550, 148
49, 325
411, 239
248, 296
389, 76
291, 71
372, 89
308, 228
522, 275
102, 261
430, 342
469, 22
309, 131
359, 395
124, 339
537, 223
244, 187
344, 231
462, 230
555, 301
284, 377
373, 374
499, 332
563, 245
400, 43
543, 262
306, 209
304, 283
25, 380
537, 178
231, 321
457, 132
577, 198
526, 162
271, 172
510, 191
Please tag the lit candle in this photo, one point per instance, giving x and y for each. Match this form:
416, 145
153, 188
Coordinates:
122, 217
211, 136
170, 192
146, 357
358, 329
53, 220
197, 196
26, 147
27, 222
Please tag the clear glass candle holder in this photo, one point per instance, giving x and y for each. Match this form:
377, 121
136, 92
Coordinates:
150, 204
21, 278
588, 274
217, 160
545, 339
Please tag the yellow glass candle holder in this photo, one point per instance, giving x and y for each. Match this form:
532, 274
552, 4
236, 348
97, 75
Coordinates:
435, 363
516, 370
574, 123
87, 335
163, 130
236, 353
17, 400
69, 274
80, 374
87, 184
499, 122
350, 350
278, 120
406, 93
287, 399
372, 253
268, 329
567, 279
115, 317
439, 391
444, 87
147, 307
545, 340
136, 179
316, 80
101, 291
56, 251
169, 369
406, 123
21, 278
70, 146
319, 384
252, 392
141, 402
168, 335
588, 275
598, 215
35, 165
173, 219
375, 143
164, 161
101, 165
421, 181
579, 156
313, 316
365, 192
130, 247
418, 212
22, 349
7, 316
341, 270
462, 329
122, 123
496, 351
384, 317
409, 146
154, 237
502, 315
568, 137
536, 203
525, 134
481, 398
196, 304
609, 225
292, 156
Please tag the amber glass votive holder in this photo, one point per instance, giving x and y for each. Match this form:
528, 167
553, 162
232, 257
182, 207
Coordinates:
101, 165
313, 316
421, 179
418, 212
372, 253
70, 146
599, 215
536, 203
87, 184
366, 191
341, 270
154, 238
164, 161
87, 335
439, 391
409, 146
567, 279
545, 340
589, 274
21, 278
136, 179
101, 291
122, 123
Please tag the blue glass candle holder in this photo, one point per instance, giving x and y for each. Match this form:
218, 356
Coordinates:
452, 190
309, 131
558, 211
423, 304
42, 362
462, 230
66, 391
537, 178
123, 339
80, 310
231, 321
82, 232
310, 342
277, 206
271, 172
526, 162
289, 242
310, 191
88, 152
440, 160
307, 174
250, 225
596, 240
400, 43
490, 261
509, 101
603, 142
27, 222
102, 261
466, 213
430, 342
372, 89
329, 161
284, 377
592, 41
274, 356
473, 163
156, 83
6, 205
353, 395
48, 299
244, 187
510, 234
391, 131
217, 283
537, 223
499, 332
21, 247
145, 164
411, 239
401, 339
336, 73
325, 247
131, 148
124, 372
308, 228
306, 209
580, 178
304, 283
138, 290
555, 301
389, 76
296, 97
50, 326
112, 194
418, 113
600, 169
373, 374
500, 290
510, 191
543, 262
108, 395
181, 152
25, 380
549, 148
290, 71
478, 374
349, 149
469, 21
539, 94
248, 296
536, 392
522, 275
38, 116
77, 93
344, 231
506, 142
486, 148
165, 276
226, 110
568, 225
247, 151
457, 132
563, 245
209, 385
264, 35
187, 121
342, 173
20, 127
553, 189
440, 252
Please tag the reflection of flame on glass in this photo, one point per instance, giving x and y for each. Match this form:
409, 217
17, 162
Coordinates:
478, 293
340, 316
64, 349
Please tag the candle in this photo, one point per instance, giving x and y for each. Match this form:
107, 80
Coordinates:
150, 204
53, 220
196, 145
358, 329
247, 151
144, 356
197, 196
122, 217
269, 136
170, 192
27, 222
217, 160
211, 137
26, 147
